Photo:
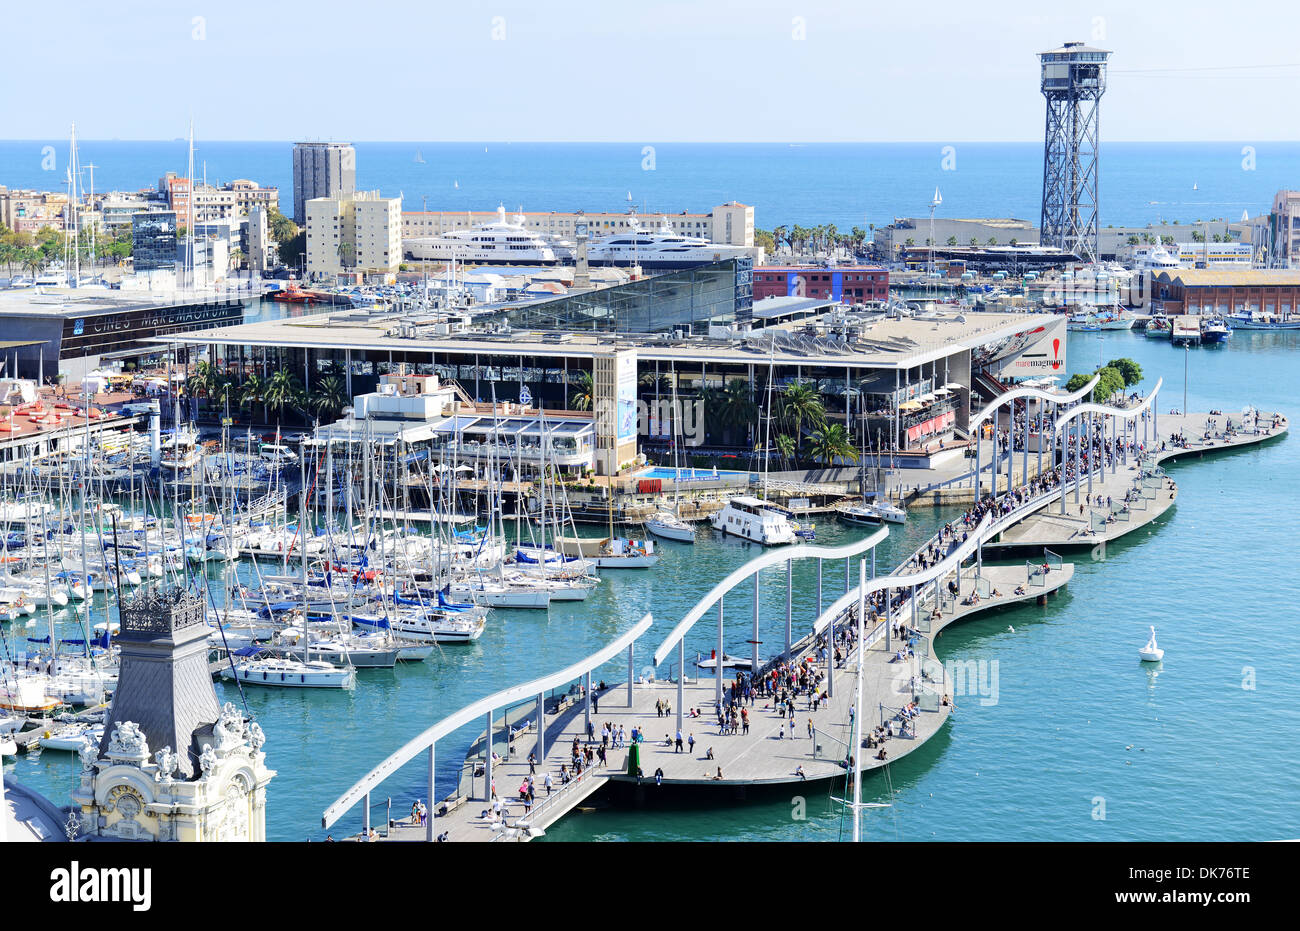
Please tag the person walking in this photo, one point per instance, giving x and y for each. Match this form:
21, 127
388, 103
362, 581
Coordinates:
691, 743
679, 743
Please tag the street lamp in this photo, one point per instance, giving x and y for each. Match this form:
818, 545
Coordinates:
1187, 352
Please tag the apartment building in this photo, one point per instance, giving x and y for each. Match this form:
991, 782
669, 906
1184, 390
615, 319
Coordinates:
360, 233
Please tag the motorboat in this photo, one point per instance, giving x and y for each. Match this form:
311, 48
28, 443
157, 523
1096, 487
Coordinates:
1215, 330
754, 520
859, 515
1158, 327
1253, 320
283, 672
26, 694
1151, 653
669, 526
497, 243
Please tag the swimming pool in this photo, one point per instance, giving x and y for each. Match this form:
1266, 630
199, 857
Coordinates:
687, 475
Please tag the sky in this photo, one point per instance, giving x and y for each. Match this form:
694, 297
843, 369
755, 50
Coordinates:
647, 71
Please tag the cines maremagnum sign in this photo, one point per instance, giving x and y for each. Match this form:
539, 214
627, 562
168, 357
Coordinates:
103, 884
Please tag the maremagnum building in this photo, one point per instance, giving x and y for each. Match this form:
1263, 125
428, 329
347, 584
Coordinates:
899, 383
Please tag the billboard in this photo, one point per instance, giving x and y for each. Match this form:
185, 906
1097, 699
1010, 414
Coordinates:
1039, 351
625, 380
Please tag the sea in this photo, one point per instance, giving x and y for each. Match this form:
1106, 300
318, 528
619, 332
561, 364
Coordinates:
1076, 740
847, 184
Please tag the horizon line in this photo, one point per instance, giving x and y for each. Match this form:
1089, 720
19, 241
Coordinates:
789, 142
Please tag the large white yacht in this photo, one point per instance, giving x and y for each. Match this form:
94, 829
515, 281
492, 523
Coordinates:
663, 248
497, 243
754, 520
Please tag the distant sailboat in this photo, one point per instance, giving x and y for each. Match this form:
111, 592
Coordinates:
419, 157
1195, 187
456, 185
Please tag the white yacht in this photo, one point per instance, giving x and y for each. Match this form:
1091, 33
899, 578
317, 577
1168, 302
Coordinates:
668, 525
496, 243
663, 248
754, 520
289, 673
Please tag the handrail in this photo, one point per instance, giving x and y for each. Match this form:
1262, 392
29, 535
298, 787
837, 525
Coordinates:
884, 582
1016, 394
481, 707
758, 563
1123, 413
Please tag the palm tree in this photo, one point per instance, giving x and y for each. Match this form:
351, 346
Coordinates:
779, 235
831, 442
329, 397
582, 398
281, 390
785, 448
800, 403
251, 391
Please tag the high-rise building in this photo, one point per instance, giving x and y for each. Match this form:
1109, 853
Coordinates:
321, 169
1073, 80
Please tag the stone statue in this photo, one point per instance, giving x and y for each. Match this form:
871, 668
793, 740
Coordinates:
89, 752
256, 738
128, 741
207, 761
168, 763
229, 730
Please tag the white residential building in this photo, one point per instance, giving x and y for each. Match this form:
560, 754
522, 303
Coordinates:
358, 233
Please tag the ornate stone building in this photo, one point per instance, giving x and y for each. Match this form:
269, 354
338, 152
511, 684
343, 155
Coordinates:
173, 765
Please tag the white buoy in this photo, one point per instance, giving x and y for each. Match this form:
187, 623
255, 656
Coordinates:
1151, 653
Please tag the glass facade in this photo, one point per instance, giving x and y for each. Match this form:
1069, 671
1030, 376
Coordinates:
688, 299
153, 241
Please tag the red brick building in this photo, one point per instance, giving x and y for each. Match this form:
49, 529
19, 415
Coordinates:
849, 284
1225, 291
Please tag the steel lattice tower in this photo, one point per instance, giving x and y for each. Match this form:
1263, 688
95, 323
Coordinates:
1074, 78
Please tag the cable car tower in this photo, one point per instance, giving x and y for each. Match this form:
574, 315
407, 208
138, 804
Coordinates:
1074, 78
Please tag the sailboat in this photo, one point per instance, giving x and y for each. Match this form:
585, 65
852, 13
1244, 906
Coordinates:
419, 157
669, 524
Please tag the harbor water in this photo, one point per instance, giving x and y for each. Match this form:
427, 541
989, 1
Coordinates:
1069, 737
850, 184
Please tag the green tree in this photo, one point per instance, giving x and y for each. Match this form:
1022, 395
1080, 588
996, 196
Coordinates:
829, 443
765, 239
292, 250
282, 390
1128, 369
280, 227
800, 403
328, 397
581, 398
952, 241
785, 448
251, 391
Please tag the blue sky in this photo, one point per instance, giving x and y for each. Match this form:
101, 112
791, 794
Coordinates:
710, 70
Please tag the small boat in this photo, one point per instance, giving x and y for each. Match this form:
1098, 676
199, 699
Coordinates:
70, 737
859, 515
1215, 330
754, 520
890, 513
668, 525
288, 673
728, 662
1151, 653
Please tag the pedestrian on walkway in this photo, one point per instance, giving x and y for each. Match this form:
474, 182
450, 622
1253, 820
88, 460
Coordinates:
679, 743
691, 743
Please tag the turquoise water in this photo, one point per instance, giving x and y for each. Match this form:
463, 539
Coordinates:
1077, 722
687, 475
